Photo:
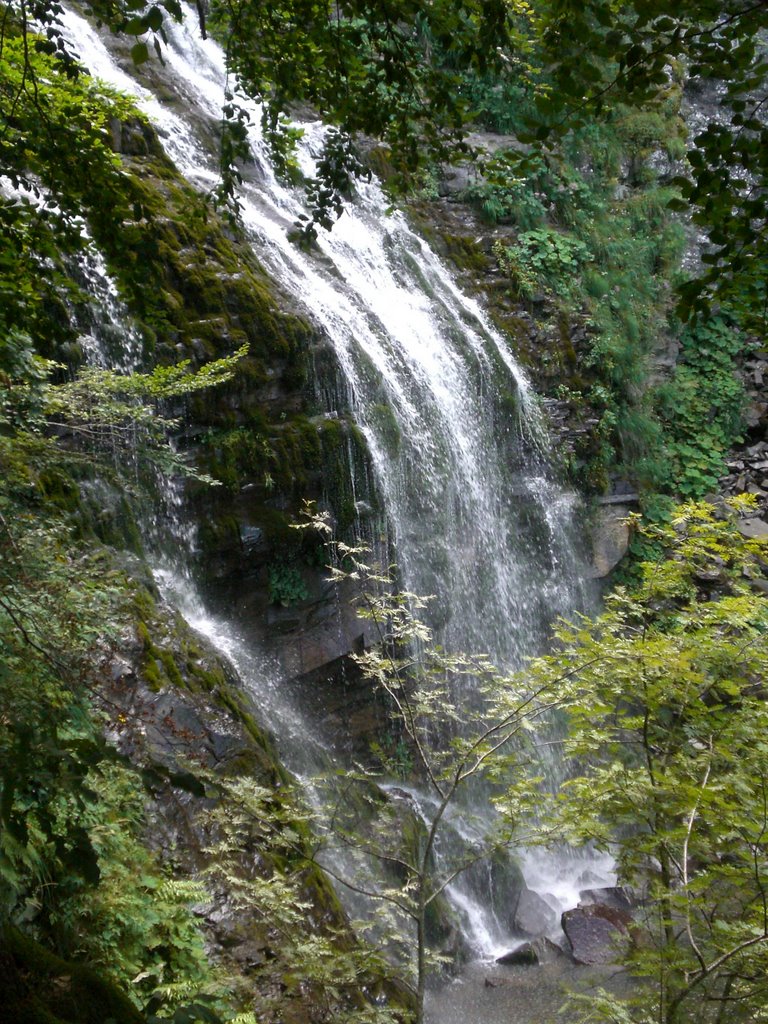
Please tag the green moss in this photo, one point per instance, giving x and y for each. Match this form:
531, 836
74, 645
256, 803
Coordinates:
208, 680
171, 669
41, 988
337, 481
440, 922
465, 253
59, 489
144, 603
386, 426
152, 675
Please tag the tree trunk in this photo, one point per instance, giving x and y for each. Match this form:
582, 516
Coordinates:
421, 964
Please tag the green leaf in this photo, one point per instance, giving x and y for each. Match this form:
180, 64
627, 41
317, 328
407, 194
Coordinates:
139, 53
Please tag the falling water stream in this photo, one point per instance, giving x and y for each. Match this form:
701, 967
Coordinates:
475, 516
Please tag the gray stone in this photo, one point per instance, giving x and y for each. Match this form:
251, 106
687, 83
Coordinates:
753, 528
523, 956
593, 938
755, 414
610, 539
533, 915
609, 896
589, 878
618, 499
541, 951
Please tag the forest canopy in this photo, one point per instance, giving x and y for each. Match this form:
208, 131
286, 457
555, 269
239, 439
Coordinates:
402, 73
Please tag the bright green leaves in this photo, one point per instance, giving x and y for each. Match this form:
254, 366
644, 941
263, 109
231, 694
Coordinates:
667, 727
110, 418
628, 52
600, 257
363, 66
464, 732
543, 259
701, 406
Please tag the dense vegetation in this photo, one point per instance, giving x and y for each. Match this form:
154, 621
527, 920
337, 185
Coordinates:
670, 672
667, 731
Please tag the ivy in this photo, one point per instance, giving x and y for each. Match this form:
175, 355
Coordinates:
701, 406
543, 258
286, 586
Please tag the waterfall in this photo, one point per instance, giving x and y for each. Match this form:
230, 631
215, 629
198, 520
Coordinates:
474, 514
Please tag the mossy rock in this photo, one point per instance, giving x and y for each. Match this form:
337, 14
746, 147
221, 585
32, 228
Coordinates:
465, 252
38, 987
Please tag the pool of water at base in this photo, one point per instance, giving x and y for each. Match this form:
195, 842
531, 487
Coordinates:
489, 993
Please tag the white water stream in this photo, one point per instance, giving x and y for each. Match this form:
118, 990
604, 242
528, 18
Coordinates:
475, 517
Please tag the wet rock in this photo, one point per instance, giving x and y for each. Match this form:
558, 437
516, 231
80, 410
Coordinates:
594, 939
524, 956
541, 951
533, 915
588, 878
609, 896
755, 414
619, 499
610, 539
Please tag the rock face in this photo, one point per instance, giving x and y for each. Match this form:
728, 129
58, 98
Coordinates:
597, 934
753, 528
174, 706
748, 464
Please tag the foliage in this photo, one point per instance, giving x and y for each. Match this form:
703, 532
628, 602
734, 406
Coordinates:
315, 971
286, 587
603, 261
74, 870
41, 988
337, 167
543, 258
73, 867
508, 201
418, 77
120, 414
599, 52
701, 406
361, 66
667, 724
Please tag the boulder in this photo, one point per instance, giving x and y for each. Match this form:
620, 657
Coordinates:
610, 539
541, 951
753, 528
594, 939
524, 956
533, 915
587, 878
615, 896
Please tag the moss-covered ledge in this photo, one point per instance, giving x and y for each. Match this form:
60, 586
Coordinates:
39, 987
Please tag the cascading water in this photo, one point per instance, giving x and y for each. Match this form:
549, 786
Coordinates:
474, 516
474, 520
